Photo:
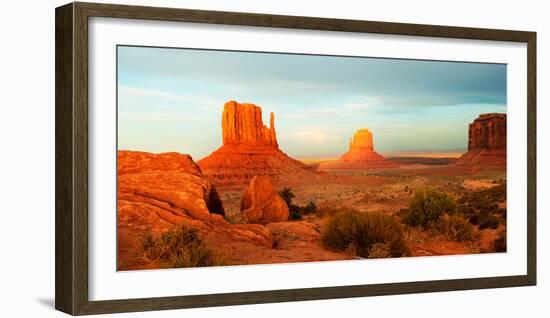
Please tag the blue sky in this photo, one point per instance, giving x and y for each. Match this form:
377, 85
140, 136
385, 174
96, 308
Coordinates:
171, 99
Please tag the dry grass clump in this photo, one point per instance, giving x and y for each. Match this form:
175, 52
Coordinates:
454, 228
236, 218
180, 247
481, 207
368, 235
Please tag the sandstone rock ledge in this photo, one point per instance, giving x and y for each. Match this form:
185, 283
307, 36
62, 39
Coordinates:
158, 191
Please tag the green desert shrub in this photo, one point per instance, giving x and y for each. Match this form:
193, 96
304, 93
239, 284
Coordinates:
310, 208
296, 212
362, 233
481, 208
485, 200
180, 247
454, 228
427, 206
488, 222
287, 195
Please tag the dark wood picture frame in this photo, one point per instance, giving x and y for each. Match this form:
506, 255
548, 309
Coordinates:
71, 157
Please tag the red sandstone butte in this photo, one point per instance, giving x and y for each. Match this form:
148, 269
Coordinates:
242, 124
486, 143
249, 148
361, 155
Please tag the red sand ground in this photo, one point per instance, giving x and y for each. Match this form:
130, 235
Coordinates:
387, 191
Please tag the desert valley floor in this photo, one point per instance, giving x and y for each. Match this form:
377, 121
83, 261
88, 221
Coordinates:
386, 191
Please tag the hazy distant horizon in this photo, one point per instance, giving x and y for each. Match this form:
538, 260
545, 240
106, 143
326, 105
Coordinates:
172, 99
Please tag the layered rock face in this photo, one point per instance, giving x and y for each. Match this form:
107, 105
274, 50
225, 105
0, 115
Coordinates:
249, 148
486, 142
361, 139
488, 131
158, 191
361, 155
242, 124
170, 181
262, 204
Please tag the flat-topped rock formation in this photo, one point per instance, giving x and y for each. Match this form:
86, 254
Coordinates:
486, 142
249, 148
362, 139
361, 155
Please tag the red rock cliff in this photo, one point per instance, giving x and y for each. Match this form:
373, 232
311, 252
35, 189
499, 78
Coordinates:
242, 125
486, 143
488, 131
158, 191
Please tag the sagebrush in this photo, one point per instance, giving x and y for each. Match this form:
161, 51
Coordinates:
180, 247
454, 228
427, 206
365, 234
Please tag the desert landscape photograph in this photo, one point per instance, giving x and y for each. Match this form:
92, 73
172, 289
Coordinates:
239, 158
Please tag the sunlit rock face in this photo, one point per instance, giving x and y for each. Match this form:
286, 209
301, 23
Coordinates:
249, 149
488, 131
361, 155
158, 191
242, 125
361, 139
262, 204
171, 181
486, 143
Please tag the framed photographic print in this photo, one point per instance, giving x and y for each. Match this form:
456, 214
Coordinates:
211, 158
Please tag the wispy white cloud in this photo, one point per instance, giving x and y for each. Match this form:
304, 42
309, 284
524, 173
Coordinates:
344, 110
162, 117
127, 93
312, 135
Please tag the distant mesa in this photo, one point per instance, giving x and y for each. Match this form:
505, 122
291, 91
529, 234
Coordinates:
249, 148
361, 155
486, 142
